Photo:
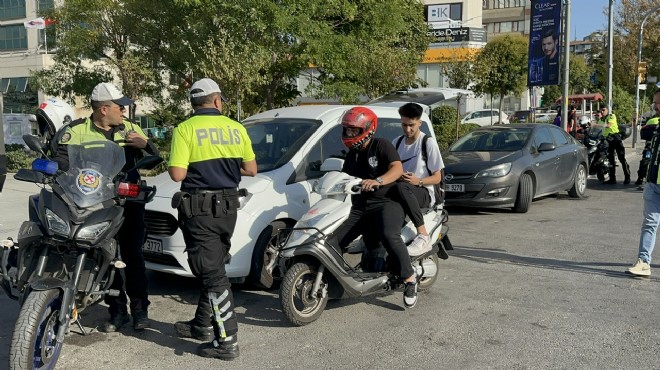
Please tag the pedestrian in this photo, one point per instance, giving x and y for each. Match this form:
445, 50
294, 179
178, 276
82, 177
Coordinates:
107, 122
615, 144
571, 125
557, 120
651, 213
422, 169
209, 154
150, 134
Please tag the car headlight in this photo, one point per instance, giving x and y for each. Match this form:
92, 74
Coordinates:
93, 231
495, 171
56, 224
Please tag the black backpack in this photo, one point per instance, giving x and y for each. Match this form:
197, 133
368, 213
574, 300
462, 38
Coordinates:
438, 190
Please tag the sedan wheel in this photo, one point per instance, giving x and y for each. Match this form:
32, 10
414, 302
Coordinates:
580, 183
525, 194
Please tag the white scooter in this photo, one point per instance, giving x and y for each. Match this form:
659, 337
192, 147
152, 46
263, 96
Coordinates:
313, 271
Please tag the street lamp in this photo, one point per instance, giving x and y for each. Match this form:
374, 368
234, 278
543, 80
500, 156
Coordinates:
639, 60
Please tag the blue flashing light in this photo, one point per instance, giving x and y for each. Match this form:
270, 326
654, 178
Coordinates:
45, 166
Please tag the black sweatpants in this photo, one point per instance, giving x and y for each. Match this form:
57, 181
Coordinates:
208, 240
384, 220
412, 199
131, 237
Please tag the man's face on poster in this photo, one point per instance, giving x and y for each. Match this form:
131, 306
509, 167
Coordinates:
549, 46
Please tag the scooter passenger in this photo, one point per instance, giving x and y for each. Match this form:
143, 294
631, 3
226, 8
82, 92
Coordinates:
377, 162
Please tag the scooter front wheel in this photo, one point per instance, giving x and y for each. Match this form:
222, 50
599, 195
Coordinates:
299, 303
34, 344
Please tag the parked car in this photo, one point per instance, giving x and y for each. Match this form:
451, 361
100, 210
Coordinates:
486, 117
509, 166
524, 116
290, 144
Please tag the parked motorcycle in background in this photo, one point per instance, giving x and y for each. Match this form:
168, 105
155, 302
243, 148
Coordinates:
314, 271
66, 254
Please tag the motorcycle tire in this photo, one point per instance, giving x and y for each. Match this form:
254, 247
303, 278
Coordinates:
297, 304
426, 282
33, 343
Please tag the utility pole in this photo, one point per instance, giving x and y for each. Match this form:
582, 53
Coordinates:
567, 52
637, 79
610, 59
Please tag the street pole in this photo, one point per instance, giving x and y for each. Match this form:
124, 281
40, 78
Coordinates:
567, 51
639, 60
610, 59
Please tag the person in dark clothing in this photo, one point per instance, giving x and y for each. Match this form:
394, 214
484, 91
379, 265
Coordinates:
108, 123
376, 161
613, 136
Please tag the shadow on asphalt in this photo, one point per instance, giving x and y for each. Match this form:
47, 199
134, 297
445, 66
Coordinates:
493, 255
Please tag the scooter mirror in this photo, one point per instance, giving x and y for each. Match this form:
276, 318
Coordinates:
34, 143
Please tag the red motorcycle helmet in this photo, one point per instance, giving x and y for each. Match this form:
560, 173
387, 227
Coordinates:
363, 119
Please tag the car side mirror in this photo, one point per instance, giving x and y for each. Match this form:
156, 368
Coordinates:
546, 147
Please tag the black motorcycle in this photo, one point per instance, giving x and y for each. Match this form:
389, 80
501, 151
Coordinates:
597, 146
67, 253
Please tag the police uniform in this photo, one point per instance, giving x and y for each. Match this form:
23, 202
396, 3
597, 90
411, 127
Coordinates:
615, 145
212, 148
132, 234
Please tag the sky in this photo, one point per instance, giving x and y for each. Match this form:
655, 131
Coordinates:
587, 16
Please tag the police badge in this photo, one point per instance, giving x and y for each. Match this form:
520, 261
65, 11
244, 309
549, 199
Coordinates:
65, 138
89, 181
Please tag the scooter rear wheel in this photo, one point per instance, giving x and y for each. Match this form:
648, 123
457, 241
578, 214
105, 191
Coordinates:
426, 282
300, 305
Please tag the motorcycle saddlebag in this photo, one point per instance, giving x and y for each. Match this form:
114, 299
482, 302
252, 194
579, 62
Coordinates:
625, 131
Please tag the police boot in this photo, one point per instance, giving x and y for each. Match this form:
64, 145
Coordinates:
612, 180
224, 349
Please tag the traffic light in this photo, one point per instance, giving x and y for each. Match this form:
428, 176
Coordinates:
641, 71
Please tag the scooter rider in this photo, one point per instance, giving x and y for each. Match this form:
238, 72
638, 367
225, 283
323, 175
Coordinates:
611, 133
376, 161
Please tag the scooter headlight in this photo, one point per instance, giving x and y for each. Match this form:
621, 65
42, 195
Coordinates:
93, 231
56, 224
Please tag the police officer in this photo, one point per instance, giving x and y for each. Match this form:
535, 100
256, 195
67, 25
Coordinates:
611, 133
647, 132
209, 154
107, 122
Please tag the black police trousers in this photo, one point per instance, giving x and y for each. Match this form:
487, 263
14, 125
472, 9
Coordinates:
380, 219
131, 237
616, 145
207, 233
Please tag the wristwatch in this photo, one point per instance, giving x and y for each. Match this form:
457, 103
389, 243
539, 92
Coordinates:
380, 180
421, 183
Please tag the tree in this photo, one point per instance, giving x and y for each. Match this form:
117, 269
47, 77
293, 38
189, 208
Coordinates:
500, 68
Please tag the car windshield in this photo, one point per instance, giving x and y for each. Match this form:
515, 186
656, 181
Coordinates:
276, 140
500, 140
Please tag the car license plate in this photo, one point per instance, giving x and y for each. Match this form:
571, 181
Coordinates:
456, 188
153, 246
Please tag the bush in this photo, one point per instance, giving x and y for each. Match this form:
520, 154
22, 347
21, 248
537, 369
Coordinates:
163, 146
444, 115
18, 157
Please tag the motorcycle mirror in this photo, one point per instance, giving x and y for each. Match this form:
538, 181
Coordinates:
34, 143
148, 163
30, 176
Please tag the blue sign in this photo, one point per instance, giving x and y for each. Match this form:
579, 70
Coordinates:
544, 43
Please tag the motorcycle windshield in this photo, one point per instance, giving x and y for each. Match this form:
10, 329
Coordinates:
595, 131
93, 164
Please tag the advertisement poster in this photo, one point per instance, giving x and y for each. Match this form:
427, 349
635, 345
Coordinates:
544, 43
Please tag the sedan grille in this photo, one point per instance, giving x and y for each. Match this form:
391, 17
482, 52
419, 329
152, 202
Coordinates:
161, 259
160, 223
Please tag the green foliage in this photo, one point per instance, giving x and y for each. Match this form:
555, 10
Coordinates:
500, 68
18, 157
446, 134
623, 104
459, 73
444, 115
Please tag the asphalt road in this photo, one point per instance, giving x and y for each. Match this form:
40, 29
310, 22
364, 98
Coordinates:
545, 289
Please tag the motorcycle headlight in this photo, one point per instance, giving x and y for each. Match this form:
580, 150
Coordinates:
93, 231
56, 224
495, 171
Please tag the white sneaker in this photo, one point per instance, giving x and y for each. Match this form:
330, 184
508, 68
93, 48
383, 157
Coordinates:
420, 245
640, 268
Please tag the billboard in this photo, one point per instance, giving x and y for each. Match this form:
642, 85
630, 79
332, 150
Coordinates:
544, 43
461, 34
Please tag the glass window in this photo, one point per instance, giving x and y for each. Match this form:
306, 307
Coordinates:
505, 27
330, 146
561, 137
15, 129
45, 6
541, 135
13, 37
12, 9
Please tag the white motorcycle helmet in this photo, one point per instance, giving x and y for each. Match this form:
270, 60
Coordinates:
52, 114
585, 121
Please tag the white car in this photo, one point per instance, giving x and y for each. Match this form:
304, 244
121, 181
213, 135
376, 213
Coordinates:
485, 117
290, 144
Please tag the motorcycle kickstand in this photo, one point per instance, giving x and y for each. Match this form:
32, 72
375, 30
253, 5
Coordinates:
84, 332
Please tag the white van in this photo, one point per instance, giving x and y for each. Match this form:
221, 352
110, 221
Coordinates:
290, 144
486, 117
